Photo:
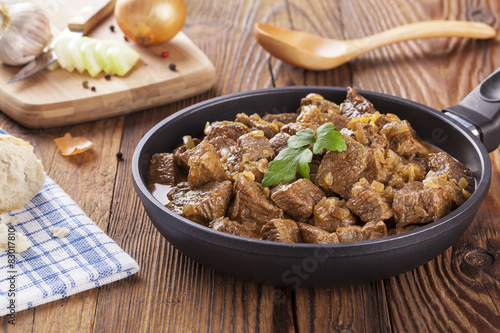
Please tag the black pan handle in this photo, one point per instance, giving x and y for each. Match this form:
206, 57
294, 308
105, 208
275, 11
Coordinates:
481, 110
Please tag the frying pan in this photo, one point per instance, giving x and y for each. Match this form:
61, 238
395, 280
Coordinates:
457, 130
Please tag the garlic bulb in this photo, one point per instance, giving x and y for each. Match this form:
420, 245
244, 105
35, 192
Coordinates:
24, 33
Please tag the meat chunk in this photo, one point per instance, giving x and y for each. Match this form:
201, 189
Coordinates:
374, 170
459, 194
298, 198
310, 113
256, 122
325, 106
356, 105
201, 205
281, 230
251, 206
294, 128
313, 234
279, 142
405, 144
367, 135
338, 171
230, 129
354, 233
370, 203
162, 169
416, 204
231, 227
255, 146
204, 166
223, 145
330, 214
443, 164
254, 151
281, 118
182, 154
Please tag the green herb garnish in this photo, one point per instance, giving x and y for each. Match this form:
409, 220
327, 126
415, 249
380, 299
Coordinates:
298, 153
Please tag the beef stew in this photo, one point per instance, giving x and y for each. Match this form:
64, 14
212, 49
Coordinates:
386, 181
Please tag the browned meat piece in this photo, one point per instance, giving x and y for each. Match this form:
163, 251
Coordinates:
397, 231
374, 169
293, 128
298, 198
279, 142
253, 153
162, 169
230, 129
255, 121
200, 149
369, 203
330, 213
231, 227
415, 204
354, 233
181, 158
368, 136
251, 205
203, 204
338, 171
283, 118
323, 105
205, 168
311, 114
442, 163
281, 230
338, 120
459, 194
224, 145
405, 144
312, 234
356, 105
255, 146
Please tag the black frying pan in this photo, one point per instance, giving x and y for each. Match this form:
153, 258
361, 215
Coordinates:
328, 265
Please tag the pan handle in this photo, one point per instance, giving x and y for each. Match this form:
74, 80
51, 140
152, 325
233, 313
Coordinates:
481, 109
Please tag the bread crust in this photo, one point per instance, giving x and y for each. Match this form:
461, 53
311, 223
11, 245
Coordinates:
21, 173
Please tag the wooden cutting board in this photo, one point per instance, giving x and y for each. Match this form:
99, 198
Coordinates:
56, 97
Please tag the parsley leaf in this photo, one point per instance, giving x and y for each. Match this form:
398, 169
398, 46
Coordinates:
301, 139
327, 137
298, 153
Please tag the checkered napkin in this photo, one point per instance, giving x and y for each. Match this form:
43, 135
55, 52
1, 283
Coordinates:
54, 268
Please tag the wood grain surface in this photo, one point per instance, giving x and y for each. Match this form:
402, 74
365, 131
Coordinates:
459, 291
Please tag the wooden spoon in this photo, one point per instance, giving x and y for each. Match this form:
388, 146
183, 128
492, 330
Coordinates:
317, 53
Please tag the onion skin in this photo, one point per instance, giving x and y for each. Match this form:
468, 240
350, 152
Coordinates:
149, 22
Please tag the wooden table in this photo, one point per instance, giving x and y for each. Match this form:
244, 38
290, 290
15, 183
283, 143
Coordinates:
458, 291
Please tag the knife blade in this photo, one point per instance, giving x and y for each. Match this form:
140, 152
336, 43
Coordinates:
88, 16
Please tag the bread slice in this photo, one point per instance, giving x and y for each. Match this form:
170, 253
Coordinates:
21, 173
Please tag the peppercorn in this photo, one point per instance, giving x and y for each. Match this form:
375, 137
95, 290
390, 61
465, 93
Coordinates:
107, 77
172, 67
93, 89
126, 38
85, 84
165, 54
119, 156
112, 28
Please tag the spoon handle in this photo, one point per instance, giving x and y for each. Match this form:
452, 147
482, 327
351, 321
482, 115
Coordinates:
427, 29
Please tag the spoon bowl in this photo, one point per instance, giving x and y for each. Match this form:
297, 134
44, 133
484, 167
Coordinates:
312, 52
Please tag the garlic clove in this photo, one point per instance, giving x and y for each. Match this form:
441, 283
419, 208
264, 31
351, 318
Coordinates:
24, 33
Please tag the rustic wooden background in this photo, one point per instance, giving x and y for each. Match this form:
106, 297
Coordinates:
457, 292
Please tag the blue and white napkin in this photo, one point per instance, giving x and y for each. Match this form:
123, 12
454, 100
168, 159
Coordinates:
54, 268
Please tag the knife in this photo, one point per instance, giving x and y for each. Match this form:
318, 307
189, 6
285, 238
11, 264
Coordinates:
87, 16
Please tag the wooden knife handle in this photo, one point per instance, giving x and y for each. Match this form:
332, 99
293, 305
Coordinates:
90, 14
